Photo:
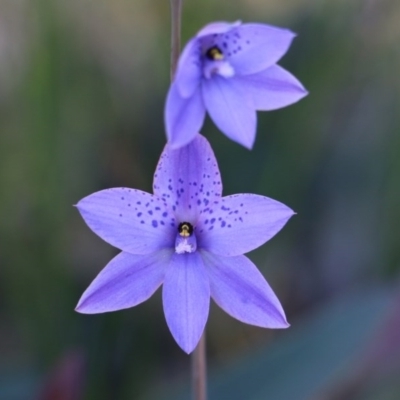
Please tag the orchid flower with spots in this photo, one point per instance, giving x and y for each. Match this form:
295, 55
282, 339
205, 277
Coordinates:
188, 238
230, 71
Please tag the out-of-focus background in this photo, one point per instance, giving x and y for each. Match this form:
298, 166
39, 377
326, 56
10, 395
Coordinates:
82, 90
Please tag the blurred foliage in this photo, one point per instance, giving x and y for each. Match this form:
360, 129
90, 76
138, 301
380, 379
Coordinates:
82, 89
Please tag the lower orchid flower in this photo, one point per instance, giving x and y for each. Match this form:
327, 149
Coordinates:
188, 238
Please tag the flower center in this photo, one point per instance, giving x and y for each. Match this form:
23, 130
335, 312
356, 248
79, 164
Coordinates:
185, 241
185, 229
215, 54
215, 63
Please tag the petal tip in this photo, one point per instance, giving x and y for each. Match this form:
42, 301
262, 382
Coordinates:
188, 350
176, 144
80, 307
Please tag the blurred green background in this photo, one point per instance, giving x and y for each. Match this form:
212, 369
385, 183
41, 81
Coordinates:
82, 90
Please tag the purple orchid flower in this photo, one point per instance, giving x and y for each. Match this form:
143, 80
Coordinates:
189, 239
230, 71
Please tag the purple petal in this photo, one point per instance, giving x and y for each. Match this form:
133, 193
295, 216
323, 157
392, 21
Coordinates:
231, 109
238, 287
240, 223
186, 299
188, 178
183, 117
129, 219
188, 73
254, 47
217, 28
271, 89
126, 281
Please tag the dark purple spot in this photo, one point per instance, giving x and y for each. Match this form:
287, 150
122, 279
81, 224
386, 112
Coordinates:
142, 222
150, 212
165, 214
139, 214
223, 223
154, 223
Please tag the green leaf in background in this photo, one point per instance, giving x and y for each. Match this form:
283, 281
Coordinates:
313, 353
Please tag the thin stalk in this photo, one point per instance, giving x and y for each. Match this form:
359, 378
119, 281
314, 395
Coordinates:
176, 14
199, 366
199, 370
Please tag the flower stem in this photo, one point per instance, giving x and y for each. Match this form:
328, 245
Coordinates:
176, 12
199, 370
199, 367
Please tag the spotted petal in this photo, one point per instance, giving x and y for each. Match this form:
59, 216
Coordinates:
186, 299
188, 178
240, 223
272, 88
231, 109
126, 281
131, 220
252, 48
183, 116
238, 287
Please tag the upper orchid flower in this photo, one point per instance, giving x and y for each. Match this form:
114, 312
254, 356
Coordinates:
229, 70
188, 238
